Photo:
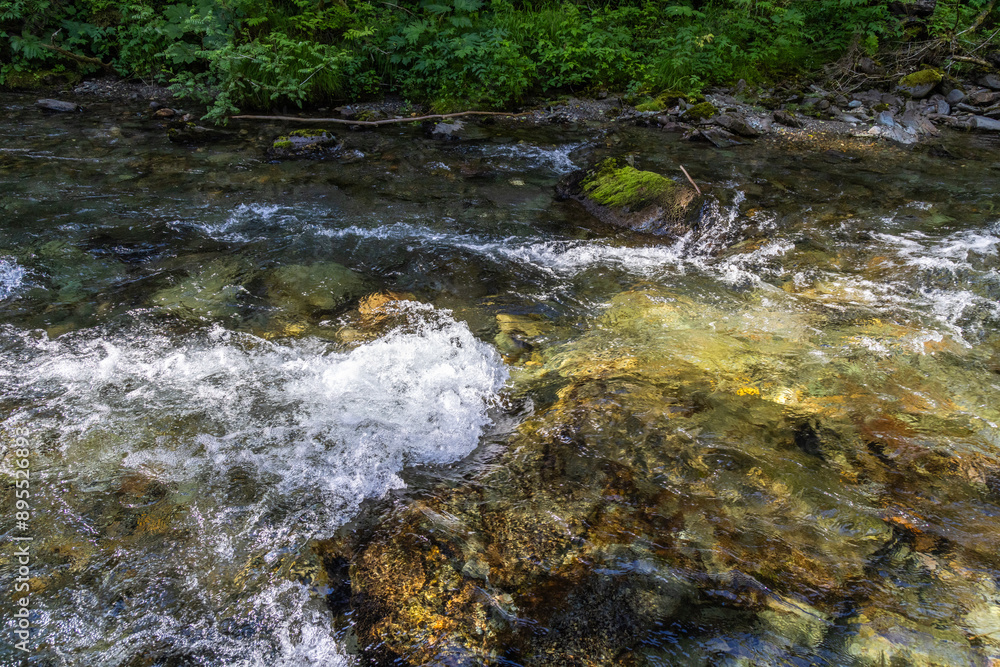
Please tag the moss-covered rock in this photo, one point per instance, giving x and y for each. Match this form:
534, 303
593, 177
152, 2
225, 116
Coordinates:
627, 197
34, 80
920, 84
663, 101
701, 111
310, 143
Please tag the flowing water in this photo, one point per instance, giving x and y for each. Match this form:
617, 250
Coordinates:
403, 406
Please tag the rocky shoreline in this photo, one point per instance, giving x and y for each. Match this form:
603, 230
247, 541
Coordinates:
911, 111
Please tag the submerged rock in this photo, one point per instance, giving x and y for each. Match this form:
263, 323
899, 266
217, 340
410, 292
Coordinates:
58, 106
213, 292
324, 286
627, 197
188, 132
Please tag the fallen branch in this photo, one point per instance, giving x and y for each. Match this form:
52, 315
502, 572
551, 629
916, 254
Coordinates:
975, 61
979, 19
690, 180
75, 56
389, 121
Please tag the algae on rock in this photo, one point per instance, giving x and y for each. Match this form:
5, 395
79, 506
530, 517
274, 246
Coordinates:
624, 196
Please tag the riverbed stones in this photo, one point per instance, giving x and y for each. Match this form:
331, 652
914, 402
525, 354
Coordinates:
624, 196
982, 98
738, 124
990, 81
955, 95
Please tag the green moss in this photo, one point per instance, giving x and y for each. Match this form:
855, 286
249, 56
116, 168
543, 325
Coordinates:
922, 77
40, 79
626, 187
879, 108
664, 100
651, 105
701, 111
282, 142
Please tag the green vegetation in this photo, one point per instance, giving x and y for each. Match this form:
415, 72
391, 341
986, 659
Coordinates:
262, 54
626, 187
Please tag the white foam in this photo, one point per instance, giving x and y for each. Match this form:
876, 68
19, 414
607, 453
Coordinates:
316, 431
11, 277
248, 222
566, 258
555, 158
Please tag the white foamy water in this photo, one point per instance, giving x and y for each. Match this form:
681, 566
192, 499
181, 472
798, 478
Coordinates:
511, 157
249, 222
961, 250
312, 432
951, 268
11, 277
564, 259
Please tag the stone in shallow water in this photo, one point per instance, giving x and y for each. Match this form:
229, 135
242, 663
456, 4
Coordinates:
623, 196
315, 287
58, 106
213, 292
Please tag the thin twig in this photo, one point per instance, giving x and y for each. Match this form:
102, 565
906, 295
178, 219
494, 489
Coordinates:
389, 121
691, 180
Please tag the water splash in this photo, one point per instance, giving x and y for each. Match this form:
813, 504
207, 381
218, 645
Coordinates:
300, 432
517, 157
11, 277
249, 222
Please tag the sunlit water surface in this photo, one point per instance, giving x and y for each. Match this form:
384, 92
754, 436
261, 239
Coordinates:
806, 413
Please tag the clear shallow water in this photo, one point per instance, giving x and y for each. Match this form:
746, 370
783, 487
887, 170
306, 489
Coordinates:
772, 441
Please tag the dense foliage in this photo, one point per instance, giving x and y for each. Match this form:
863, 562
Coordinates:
485, 53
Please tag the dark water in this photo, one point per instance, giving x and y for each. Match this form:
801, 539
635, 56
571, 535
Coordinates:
403, 404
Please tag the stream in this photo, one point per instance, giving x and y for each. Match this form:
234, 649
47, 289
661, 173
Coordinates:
403, 406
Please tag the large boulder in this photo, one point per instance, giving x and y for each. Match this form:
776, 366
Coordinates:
624, 196
920, 84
